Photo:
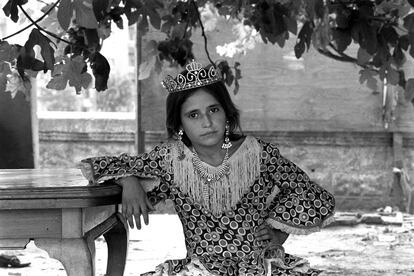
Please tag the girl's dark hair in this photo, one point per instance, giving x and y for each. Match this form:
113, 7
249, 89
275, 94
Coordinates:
219, 91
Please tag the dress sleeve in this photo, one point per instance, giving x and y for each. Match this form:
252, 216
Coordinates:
154, 166
296, 205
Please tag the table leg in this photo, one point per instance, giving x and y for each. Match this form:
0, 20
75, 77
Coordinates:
117, 242
76, 255
115, 232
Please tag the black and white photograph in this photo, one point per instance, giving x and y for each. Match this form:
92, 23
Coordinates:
206, 137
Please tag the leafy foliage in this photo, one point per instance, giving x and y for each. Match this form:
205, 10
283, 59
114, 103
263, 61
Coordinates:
72, 71
382, 29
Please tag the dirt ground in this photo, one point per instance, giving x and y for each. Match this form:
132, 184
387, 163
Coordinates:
363, 250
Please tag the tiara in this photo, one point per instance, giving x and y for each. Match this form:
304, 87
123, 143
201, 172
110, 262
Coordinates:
196, 76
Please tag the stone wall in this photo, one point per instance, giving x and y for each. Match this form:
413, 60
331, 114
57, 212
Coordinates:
355, 166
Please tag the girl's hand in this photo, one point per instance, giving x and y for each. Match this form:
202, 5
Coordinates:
134, 201
267, 233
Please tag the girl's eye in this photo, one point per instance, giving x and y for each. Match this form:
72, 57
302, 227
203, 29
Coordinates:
193, 115
214, 109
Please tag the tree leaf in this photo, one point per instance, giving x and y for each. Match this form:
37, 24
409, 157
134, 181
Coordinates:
100, 8
278, 25
369, 37
15, 84
100, 69
143, 25
4, 71
404, 42
398, 56
341, 38
365, 34
343, 17
7, 52
411, 40
363, 56
135, 11
47, 52
115, 14
368, 76
319, 9
402, 82
304, 38
10, 9
85, 16
393, 77
151, 10
71, 70
281, 39
310, 8
409, 90
27, 61
91, 39
236, 77
291, 24
178, 31
409, 22
299, 48
65, 13
382, 56
146, 67
131, 10
151, 48
390, 35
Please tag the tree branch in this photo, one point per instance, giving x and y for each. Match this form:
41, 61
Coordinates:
188, 21
203, 33
41, 29
340, 56
329, 54
33, 22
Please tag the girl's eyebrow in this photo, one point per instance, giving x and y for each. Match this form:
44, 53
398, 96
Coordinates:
196, 110
214, 105
191, 111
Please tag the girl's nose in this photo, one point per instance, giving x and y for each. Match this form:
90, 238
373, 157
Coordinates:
206, 121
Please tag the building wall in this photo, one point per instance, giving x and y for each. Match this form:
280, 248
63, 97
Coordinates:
355, 166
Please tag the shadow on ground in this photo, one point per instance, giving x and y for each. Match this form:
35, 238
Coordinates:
358, 250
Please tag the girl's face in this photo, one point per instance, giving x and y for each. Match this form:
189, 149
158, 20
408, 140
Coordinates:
203, 119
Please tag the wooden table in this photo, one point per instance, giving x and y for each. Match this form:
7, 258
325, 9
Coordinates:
63, 215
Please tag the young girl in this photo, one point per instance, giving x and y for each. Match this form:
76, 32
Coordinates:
237, 197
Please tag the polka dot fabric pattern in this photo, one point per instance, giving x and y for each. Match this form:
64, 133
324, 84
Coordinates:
301, 206
225, 244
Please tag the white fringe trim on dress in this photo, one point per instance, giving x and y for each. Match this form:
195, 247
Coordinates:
290, 229
226, 192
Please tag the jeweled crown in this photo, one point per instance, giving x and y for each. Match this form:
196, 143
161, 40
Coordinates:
196, 76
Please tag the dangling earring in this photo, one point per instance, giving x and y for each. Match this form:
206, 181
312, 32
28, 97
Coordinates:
181, 154
227, 144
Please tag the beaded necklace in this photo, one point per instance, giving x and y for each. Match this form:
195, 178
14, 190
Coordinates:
210, 174
213, 173
222, 194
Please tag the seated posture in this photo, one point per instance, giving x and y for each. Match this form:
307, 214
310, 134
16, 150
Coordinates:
237, 197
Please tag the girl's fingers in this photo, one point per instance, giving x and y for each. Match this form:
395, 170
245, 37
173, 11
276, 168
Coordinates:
137, 216
145, 214
130, 221
137, 221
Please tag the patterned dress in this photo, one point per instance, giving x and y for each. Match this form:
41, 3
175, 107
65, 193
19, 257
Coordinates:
219, 227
